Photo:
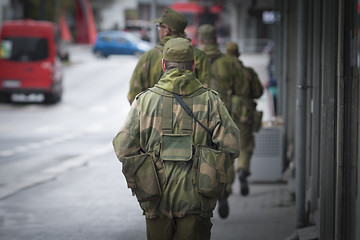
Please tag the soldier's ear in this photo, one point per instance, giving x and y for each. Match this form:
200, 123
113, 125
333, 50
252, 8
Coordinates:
163, 65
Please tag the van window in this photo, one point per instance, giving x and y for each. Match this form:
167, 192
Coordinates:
24, 49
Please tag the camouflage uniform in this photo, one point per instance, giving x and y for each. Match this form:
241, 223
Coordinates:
143, 134
226, 75
244, 112
225, 71
148, 69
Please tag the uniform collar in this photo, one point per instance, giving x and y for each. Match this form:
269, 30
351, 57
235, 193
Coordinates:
182, 82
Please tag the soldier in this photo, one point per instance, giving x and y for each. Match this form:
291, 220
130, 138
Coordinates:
245, 115
176, 164
148, 69
227, 75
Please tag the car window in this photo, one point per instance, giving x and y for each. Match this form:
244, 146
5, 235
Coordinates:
132, 38
121, 40
24, 49
106, 38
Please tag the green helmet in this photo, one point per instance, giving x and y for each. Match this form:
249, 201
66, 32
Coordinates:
207, 31
232, 48
173, 19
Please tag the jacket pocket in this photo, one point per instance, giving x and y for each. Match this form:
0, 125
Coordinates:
212, 176
141, 176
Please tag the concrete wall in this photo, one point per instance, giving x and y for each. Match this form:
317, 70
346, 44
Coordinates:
114, 14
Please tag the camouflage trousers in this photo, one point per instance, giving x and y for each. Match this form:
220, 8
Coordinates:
247, 145
190, 227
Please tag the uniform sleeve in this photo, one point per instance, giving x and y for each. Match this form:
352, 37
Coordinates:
137, 78
257, 89
147, 72
202, 68
127, 141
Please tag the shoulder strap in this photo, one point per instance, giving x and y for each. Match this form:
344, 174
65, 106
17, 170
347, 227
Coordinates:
189, 112
168, 116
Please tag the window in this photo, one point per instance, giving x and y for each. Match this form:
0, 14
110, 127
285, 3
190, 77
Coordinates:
24, 49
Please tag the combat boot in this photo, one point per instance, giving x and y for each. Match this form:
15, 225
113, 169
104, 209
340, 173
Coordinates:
244, 186
223, 206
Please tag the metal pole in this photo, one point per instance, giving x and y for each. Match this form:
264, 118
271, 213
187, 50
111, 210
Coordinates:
283, 96
350, 82
301, 114
153, 15
328, 119
42, 10
340, 165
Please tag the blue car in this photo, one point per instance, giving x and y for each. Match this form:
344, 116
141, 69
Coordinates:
119, 43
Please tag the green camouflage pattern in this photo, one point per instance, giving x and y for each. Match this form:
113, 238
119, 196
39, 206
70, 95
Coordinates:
142, 133
213, 169
148, 70
243, 104
243, 112
252, 87
226, 74
141, 176
176, 147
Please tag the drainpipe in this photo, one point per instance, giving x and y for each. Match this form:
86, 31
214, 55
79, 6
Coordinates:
340, 120
153, 16
284, 79
300, 131
300, 127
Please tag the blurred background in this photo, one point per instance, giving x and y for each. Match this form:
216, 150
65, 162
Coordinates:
59, 176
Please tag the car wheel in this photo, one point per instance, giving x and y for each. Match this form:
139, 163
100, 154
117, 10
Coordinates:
52, 98
137, 54
5, 98
100, 54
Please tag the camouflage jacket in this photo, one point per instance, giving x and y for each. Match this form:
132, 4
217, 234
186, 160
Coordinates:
142, 132
148, 70
251, 88
226, 73
243, 104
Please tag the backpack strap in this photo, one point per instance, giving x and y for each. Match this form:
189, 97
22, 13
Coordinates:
189, 111
168, 116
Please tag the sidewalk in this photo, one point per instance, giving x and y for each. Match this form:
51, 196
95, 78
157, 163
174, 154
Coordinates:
267, 213
92, 202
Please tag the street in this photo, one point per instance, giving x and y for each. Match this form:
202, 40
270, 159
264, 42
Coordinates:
43, 143
60, 178
37, 138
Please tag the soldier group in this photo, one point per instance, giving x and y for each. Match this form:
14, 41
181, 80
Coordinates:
192, 115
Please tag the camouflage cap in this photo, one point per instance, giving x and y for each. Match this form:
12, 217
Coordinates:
207, 31
232, 48
178, 50
173, 19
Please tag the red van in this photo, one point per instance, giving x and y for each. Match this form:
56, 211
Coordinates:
29, 62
